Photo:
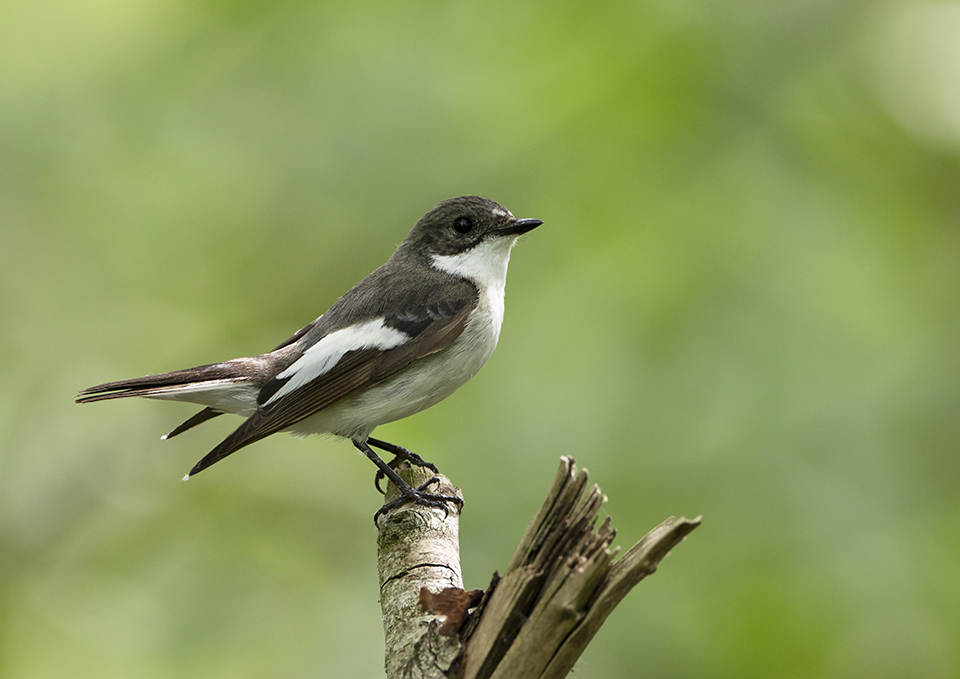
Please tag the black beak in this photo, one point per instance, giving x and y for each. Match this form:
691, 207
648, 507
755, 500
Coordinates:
519, 226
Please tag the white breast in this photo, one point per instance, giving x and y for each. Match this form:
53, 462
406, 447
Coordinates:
434, 377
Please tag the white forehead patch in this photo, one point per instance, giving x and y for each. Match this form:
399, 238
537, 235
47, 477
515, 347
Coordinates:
501, 213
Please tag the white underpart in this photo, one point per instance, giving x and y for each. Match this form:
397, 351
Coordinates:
236, 396
326, 353
438, 375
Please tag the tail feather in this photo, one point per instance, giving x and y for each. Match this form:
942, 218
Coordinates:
154, 385
229, 387
199, 418
247, 433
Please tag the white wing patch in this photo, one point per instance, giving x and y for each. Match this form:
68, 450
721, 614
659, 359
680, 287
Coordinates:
326, 353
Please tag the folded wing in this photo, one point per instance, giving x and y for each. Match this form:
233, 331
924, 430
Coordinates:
430, 330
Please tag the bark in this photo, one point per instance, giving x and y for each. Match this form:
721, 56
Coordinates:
534, 621
417, 547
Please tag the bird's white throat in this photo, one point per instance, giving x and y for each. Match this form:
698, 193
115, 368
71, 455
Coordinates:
484, 264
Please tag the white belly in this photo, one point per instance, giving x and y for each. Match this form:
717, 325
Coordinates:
423, 384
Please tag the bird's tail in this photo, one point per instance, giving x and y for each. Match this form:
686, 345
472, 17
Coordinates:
228, 387
192, 384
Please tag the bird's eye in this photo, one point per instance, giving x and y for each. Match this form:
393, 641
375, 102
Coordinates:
463, 225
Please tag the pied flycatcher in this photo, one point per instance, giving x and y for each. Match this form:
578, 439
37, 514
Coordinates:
401, 340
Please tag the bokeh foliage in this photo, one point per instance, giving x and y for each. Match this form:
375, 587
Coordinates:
743, 303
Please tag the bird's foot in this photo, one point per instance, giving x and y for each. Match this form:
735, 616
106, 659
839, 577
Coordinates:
400, 455
421, 497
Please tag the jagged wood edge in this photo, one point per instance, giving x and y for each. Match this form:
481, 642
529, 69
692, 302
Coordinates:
640, 561
560, 586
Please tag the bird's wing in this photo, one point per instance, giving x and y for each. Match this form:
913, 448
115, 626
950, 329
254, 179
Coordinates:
349, 359
297, 335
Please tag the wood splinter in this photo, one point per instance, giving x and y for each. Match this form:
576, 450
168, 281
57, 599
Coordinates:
533, 622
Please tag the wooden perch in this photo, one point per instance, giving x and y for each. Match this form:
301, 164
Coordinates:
536, 620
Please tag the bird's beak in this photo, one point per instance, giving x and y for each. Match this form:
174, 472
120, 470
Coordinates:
519, 226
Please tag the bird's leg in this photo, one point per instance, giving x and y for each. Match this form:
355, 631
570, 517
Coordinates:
399, 455
407, 493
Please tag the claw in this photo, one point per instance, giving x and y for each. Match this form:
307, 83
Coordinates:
420, 497
400, 454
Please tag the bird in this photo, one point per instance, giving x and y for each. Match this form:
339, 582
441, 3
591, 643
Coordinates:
401, 340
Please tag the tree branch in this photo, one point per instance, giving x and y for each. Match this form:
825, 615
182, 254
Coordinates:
535, 621
417, 547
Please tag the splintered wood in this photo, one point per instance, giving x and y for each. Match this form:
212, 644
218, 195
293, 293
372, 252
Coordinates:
534, 621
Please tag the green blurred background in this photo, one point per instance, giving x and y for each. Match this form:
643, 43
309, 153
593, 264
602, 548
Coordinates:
744, 302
